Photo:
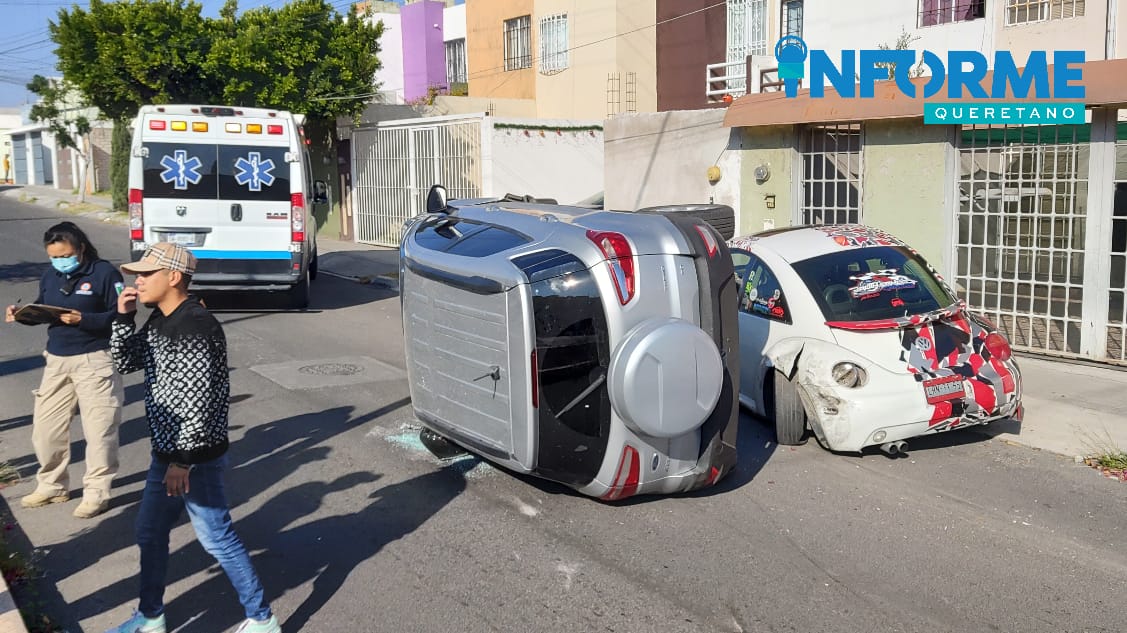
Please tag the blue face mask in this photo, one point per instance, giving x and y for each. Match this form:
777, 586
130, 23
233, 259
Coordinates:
66, 265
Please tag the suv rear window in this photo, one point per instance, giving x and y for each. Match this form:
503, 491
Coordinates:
869, 284
573, 354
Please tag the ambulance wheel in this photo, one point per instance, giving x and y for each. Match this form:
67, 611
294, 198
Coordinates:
299, 294
787, 410
439, 446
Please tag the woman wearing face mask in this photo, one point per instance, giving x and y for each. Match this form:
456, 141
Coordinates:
79, 372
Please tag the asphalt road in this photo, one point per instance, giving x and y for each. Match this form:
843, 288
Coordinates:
355, 528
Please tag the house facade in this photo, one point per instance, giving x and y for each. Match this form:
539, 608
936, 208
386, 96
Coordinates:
1028, 222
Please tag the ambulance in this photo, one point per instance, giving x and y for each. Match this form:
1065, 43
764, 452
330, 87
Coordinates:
233, 185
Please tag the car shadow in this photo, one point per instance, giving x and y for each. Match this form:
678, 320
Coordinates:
327, 293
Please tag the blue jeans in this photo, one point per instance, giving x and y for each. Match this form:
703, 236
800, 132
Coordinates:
207, 509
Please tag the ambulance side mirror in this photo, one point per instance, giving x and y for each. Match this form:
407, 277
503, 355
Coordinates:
320, 192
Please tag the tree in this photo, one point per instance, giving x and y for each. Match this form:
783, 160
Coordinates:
902, 43
58, 108
304, 57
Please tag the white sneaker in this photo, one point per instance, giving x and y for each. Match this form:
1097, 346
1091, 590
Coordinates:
140, 624
259, 626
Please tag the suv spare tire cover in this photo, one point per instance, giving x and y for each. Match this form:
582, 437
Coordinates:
665, 377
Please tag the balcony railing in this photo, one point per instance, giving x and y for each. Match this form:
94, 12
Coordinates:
730, 79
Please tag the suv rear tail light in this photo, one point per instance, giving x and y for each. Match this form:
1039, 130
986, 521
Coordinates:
297, 218
709, 240
136, 215
620, 259
998, 346
628, 476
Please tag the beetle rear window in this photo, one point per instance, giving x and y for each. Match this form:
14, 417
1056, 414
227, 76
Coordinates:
868, 284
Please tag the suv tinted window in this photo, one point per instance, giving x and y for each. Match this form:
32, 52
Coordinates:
867, 284
761, 294
253, 173
573, 353
467, 238
180, 170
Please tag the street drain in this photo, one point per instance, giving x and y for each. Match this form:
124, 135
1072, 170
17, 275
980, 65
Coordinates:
332, 369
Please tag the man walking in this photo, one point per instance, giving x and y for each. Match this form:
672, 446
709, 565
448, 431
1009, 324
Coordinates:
183, 352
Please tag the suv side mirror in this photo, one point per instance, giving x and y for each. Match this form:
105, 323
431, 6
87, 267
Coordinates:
436, 199
320, 192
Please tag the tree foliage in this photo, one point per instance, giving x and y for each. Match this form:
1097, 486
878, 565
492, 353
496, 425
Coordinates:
299, 57
64, 117
58, 110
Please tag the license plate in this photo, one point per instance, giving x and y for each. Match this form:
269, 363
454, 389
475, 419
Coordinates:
184, 239
942, 389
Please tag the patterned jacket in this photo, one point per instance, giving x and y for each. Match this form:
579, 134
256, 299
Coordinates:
187, 381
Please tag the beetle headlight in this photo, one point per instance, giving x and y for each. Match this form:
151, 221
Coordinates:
849, 375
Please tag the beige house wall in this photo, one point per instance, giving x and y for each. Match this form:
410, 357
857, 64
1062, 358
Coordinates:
637, 49
770, 203
580, 90
1087, 32
905, 183
602, 42
485, 50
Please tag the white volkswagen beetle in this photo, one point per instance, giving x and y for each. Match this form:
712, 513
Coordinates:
845, 331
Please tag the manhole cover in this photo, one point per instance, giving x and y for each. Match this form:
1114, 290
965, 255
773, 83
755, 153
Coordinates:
332, 369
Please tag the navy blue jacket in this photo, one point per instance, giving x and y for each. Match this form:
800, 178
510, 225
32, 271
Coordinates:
92, 290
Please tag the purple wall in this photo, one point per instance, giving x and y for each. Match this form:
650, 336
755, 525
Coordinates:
424, 51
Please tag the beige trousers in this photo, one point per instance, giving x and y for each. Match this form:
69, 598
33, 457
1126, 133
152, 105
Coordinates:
88, 383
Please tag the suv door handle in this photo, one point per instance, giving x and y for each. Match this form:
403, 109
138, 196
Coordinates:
236, 212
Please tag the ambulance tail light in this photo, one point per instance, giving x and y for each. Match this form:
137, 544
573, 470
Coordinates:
136, 215
297, 218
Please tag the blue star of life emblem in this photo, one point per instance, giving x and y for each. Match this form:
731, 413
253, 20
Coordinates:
180, 170
254, 172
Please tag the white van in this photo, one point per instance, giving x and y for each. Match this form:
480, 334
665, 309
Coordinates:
235, 186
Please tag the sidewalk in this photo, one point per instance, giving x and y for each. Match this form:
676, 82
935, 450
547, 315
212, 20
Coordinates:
96, 206
1070, 409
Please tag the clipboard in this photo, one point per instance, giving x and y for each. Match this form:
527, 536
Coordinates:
37, 314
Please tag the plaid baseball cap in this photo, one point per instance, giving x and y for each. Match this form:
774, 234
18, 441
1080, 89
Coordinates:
163, 256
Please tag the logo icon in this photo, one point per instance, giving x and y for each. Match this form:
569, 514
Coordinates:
253, 172
791, 52
180, 169
181, 211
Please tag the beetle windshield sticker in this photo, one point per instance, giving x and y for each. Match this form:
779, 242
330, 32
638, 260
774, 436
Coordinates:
253, 172
181, 170
872, 284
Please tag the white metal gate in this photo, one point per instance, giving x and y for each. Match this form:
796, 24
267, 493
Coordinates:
831, 174
1032, 249
747, 34
396, 163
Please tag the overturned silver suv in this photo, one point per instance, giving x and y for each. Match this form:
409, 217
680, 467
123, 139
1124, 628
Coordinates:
593, 348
